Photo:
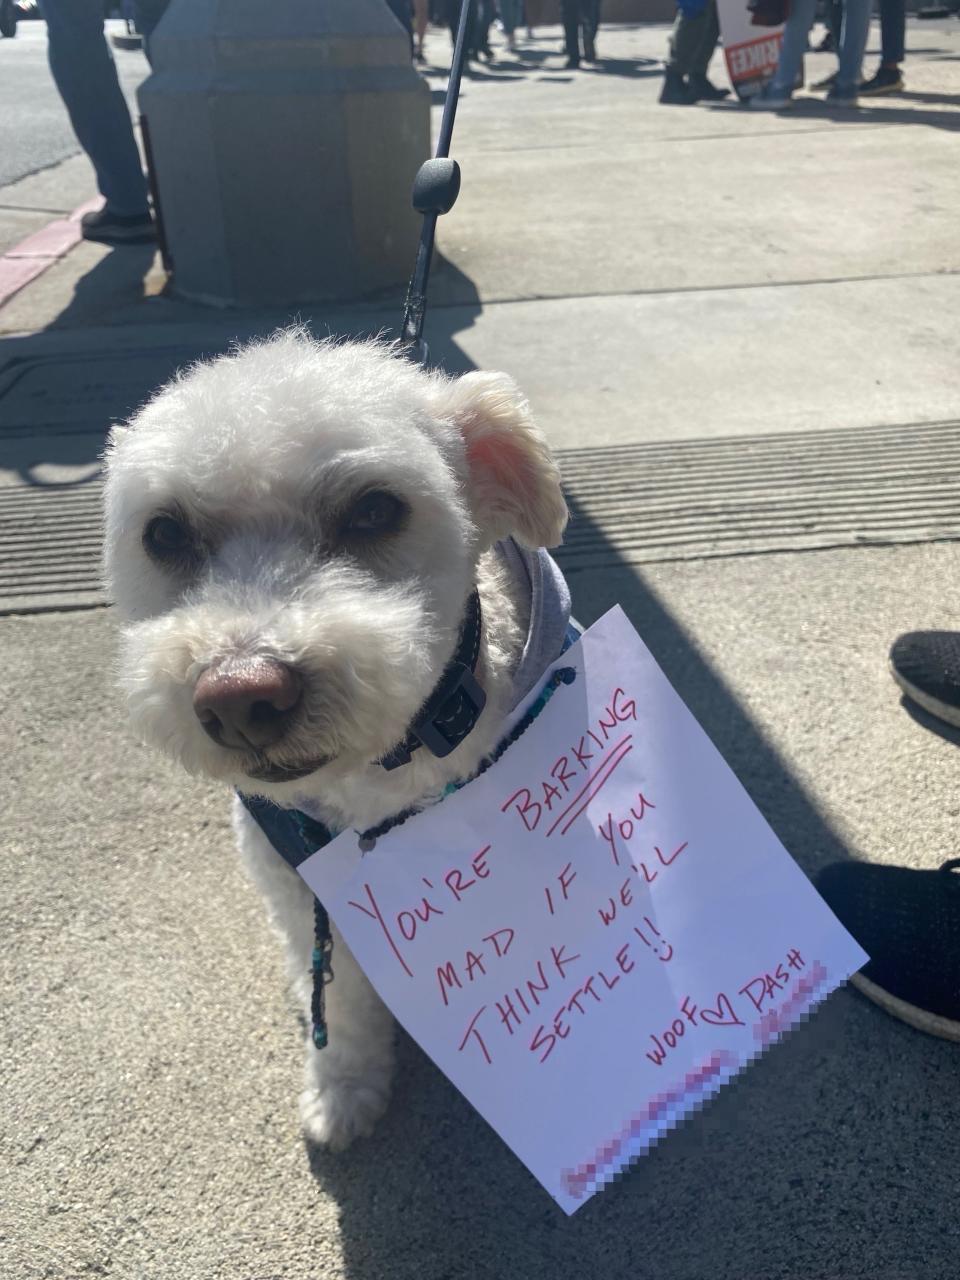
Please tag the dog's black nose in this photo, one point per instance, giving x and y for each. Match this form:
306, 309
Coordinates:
247, 703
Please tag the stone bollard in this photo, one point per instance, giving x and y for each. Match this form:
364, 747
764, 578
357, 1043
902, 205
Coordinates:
285, 137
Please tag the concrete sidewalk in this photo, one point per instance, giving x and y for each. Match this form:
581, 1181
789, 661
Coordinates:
741, 332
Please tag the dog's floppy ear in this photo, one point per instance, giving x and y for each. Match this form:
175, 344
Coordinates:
513, 479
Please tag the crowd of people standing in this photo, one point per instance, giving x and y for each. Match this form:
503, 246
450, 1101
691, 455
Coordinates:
693, 42
580, 18
86, 77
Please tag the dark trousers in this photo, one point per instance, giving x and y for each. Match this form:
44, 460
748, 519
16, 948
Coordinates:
478, 28
86, 76
693, 40
893, 25
579, 15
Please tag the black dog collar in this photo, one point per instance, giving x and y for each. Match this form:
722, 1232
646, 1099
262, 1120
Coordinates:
454, 707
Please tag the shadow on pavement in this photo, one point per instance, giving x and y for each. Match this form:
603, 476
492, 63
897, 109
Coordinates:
638, 68
820, 109
60, 392
933, 723
116, 280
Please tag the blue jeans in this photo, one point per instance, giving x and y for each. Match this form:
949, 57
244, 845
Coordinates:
853, 42
85, 75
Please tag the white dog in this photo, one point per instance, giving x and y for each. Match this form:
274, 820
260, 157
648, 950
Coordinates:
294, 534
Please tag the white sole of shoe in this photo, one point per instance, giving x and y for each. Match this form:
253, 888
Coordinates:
941, 710
919, 1019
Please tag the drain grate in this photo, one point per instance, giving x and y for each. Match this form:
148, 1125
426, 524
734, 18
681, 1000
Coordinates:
638, 503
741, 495
50, 547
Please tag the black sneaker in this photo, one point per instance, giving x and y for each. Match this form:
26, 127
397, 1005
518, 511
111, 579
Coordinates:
926, 666
705, 91
908, 922
117, 228
886, 80
676, 92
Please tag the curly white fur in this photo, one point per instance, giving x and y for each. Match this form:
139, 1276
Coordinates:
256, 453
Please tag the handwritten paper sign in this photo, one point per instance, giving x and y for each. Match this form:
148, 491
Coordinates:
596, 933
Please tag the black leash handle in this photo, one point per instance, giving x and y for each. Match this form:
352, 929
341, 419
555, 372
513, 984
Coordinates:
435, 191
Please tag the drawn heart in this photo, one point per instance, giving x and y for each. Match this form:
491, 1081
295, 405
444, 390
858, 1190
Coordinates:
722, 1015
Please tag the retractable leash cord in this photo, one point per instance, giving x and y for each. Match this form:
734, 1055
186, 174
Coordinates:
435, 191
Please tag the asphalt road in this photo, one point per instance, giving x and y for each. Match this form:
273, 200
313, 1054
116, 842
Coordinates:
35, 131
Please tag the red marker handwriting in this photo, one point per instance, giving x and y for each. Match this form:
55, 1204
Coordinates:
474, 962
565, 880
410, 920
590, 756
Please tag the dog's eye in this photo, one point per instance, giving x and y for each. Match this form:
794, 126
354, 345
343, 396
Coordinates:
168, 539
375, 513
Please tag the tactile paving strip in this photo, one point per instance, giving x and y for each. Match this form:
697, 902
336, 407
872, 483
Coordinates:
758, 494
634, 504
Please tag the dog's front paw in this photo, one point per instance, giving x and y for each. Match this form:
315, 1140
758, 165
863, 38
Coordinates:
341, 1111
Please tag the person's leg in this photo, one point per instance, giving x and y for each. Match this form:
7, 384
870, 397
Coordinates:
685, 42
853, 42
778, 93
893, 23
483, 17
86, 77
570, 14
709, 35
512, 13
893, 30
794, 46
510, 16
698, 79
534, 10
687, 39
590, 22
421, 19
453, 22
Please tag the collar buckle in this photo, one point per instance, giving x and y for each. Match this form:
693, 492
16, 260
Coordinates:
454, 706
462, 701
453, 711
